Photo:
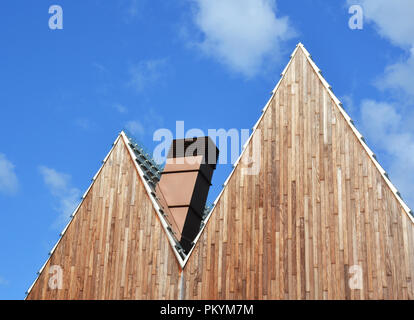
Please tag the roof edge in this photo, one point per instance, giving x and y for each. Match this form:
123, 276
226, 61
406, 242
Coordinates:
155, 204
72, 216
348, 119
236, 163
359, 136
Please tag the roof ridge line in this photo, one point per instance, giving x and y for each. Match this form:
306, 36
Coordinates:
155, 204
72, 216
242, 152
164, 224
360, 137
342, 111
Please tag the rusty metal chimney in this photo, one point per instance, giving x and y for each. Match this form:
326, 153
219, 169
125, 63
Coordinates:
184, 185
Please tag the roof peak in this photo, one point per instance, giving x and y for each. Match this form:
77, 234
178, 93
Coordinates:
348, 119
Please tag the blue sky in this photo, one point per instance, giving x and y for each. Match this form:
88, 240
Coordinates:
143, 65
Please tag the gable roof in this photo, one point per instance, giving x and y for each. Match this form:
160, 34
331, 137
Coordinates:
317, 206
148, 182
73, 215
114, 229
355, 130
175, 244
143, 169
348, 119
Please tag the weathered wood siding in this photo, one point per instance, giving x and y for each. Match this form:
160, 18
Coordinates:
115, 246
318, 207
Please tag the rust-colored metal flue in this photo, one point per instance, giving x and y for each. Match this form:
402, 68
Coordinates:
184, 185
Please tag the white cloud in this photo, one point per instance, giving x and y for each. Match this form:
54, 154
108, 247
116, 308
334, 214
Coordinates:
153, 119
241, 33
146, 73
379, 119
99, 67
132, 9
84, 123
399, 76
383, 125
60, 187
393, 19
8, 179
148, 122
386, 124
348, 102
121, 108
135, 127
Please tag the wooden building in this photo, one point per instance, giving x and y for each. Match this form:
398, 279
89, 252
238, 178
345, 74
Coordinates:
313, 216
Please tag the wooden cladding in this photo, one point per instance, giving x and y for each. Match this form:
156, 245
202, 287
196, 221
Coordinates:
317, 216
316, 221
115, 246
